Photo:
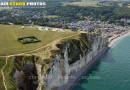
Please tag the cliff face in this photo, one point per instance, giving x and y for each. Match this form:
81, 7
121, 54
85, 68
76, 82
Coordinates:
25, 75
71, 56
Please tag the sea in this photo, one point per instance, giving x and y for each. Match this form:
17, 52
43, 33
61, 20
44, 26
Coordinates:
112, 72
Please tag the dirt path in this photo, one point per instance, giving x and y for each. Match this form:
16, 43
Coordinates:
3, 73
53, 44
15, 37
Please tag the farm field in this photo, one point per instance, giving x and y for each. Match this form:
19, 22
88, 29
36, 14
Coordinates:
9, 35
7, 8
83, 4
52, 16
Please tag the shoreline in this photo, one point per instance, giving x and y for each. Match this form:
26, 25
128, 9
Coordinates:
78, 75
118, 38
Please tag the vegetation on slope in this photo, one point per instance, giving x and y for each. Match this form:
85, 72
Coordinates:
2, 63
79, 45
8, 73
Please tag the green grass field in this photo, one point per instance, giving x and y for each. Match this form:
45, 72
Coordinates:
90, 0
85, 4
5, 8
9, 35
52, 16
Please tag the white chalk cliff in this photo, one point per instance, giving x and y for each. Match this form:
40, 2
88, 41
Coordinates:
74, 57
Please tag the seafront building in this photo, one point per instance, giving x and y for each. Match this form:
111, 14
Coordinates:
103, 29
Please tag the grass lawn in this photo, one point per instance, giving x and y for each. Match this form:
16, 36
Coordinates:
9, 35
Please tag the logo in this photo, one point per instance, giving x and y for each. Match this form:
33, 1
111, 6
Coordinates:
22, 4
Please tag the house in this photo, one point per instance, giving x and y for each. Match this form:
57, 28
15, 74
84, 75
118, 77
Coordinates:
29, 24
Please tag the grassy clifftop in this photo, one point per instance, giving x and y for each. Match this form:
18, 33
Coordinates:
9, 35
54, 42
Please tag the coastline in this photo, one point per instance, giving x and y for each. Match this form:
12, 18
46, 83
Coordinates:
78, 75
118, 38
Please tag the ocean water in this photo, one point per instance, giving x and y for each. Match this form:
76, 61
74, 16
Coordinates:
112, 72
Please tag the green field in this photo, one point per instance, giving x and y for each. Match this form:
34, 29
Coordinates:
10, 45
5, 8
52, 16
94, 4
90, 0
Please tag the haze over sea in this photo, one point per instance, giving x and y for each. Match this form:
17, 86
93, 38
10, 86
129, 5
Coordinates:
113, 70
